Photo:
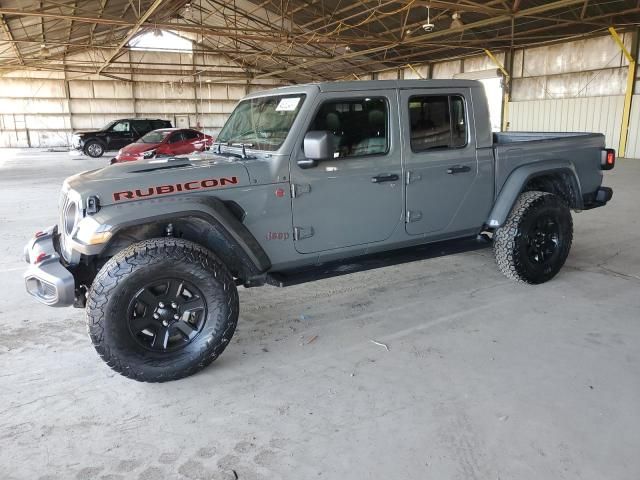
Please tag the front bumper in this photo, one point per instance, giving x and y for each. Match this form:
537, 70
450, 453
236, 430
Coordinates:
46, 278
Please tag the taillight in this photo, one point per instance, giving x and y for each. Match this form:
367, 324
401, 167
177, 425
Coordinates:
608, 159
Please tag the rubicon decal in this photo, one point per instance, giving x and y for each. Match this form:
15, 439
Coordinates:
178, 187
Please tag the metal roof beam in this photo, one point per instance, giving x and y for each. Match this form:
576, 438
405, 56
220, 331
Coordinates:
9, 35
479, 24
131, 33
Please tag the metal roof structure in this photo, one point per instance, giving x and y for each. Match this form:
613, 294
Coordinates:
291, 40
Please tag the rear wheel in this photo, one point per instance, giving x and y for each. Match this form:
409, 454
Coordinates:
162, 309
94, 149
534, 242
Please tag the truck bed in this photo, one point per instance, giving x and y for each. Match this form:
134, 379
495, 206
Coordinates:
579, 151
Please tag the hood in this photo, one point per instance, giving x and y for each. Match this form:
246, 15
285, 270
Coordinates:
159, 178
134, 148
84, 132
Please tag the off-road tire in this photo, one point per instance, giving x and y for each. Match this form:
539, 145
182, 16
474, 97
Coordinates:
115, 286
511, 240
91, 149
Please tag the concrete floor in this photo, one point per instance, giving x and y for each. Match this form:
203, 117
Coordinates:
484, 379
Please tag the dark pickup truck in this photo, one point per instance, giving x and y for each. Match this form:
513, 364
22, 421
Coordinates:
115, 135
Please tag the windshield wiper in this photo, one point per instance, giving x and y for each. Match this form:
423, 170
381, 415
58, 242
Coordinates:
229, 154
243, 145
233, 143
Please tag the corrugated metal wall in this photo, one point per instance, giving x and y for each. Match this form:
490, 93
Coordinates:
633, 140
573, 87
42, 109
590, 114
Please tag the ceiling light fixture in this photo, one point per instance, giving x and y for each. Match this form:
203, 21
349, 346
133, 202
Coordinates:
456, 21
428, 27
44, 51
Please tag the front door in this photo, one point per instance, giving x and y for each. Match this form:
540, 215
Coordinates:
440, 160
356, 197
121, 135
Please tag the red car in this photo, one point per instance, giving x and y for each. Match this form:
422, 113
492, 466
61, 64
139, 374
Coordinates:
164, 142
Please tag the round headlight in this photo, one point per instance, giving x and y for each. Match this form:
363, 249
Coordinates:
71, 216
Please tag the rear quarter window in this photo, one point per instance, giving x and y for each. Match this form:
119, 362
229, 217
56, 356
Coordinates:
160, 124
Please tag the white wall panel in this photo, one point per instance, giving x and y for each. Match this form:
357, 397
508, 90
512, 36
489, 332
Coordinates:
388, 75
100, 106
482, 62
591, 114
34, 105
235, 92
447, 69
31, 88
410, 73
633, 138
112, 89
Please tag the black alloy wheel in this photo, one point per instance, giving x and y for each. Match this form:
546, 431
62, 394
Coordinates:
167, 315
543, 240
162, 309
534, 242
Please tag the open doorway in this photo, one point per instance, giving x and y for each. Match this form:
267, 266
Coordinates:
492, 81
493, 89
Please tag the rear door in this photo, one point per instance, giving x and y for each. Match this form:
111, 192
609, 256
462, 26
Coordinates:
356, 197
176, 144
441, 163
140, 128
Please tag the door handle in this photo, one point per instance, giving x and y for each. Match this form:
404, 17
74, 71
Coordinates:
391, 177
458, 169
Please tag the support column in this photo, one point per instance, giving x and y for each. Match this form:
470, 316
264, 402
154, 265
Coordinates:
628, 94
506, 88
67, 97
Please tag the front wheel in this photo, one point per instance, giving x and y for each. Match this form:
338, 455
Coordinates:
94, 149
534, 242
162, 309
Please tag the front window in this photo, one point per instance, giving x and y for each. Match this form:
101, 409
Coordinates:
120, 127
156, 136
261, 123
358, 125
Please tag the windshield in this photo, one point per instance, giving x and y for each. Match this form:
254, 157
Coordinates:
262, 123
154, 137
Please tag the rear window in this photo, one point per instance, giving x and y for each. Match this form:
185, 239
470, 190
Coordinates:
437, 121
190, 134
141, 126
154, 137
160, 124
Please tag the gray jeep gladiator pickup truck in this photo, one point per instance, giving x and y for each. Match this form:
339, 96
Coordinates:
302, 178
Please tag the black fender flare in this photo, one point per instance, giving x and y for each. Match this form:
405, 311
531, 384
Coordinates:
519, 178
209, 220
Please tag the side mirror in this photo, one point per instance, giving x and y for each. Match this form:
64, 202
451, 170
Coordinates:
318, 145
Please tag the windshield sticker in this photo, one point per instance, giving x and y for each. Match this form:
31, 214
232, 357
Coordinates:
288, 104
